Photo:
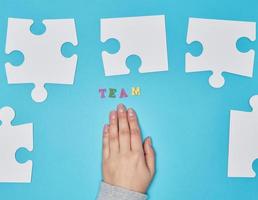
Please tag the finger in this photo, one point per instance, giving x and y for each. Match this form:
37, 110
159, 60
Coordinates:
106, 142
124, 132
113, 133
136, 139
149, 155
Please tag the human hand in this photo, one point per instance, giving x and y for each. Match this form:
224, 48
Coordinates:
126, 162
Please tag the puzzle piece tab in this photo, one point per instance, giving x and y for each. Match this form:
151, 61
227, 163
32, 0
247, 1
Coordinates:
243, 141
11, 139
43, 62
142, 36
219, 38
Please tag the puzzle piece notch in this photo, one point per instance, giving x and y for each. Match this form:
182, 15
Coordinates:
44, 62
22, 155
38, 28
195, 48
16, 58
255, 165
244, 45
13, 138
68, 50
111, 46
220, 54
142, 36
133, 62
243, 141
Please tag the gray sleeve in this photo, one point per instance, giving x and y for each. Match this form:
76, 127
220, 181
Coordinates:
109, 192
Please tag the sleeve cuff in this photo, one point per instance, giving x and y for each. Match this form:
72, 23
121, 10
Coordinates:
110, 192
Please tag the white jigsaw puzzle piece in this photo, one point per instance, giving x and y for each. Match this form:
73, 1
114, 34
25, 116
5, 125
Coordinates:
220, 54
142, 36
243, 141
11, 139
44, 62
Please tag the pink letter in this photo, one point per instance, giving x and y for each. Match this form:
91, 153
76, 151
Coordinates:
102, 92
123, 93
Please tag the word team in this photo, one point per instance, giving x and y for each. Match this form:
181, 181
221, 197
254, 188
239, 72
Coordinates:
114, 93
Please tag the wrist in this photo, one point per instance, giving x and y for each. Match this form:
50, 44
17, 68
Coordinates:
118, 193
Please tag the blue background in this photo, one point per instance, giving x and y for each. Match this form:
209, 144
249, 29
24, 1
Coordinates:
187, 119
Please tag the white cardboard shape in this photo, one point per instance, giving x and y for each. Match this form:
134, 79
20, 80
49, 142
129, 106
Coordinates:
243, 141
11, 139
44, 62
220, 54
142, 36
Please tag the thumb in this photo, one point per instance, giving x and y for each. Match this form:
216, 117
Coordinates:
149, 155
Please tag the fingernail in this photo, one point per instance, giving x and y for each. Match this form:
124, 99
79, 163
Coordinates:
105, 129
113, 114
130, 112
150, 142
121, 108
